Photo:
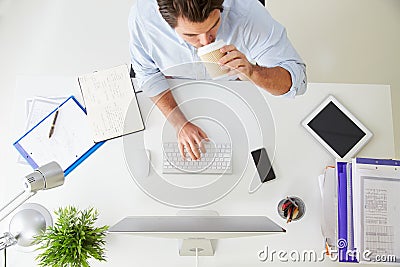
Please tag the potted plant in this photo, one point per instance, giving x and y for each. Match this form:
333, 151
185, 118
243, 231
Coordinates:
72, 240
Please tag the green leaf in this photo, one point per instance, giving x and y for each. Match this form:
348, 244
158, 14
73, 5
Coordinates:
72, 240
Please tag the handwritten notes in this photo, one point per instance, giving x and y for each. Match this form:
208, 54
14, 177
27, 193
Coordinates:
111, 103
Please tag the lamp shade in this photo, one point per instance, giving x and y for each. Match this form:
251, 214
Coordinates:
29, 221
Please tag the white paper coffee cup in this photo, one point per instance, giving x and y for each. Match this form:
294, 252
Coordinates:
210, 55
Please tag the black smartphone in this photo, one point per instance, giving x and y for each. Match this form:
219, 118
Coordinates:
263, 165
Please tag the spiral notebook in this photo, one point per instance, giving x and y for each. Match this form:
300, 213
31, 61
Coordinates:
70, 143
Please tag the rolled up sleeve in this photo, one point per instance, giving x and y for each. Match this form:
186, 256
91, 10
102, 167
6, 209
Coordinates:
299, 78
269, 46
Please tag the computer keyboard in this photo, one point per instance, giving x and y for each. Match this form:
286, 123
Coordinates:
216, 160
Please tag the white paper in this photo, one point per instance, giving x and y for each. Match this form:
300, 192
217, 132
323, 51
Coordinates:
70, 140
381, 215
377, 210
328, 190
111, 104
36, 109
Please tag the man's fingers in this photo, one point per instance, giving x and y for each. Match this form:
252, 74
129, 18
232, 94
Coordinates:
191, 138
200, 142
182, 150
195, 148
204, 137
233, 72
230, 56
193, 151
203, 134
235, 64
227, 48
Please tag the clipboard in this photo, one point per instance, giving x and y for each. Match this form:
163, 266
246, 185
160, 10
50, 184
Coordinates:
70, 144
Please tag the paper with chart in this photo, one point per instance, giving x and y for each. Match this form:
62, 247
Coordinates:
36, 109
71, 138
111, 103
378, 210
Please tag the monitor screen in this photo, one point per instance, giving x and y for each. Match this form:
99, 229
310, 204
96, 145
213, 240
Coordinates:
334, 127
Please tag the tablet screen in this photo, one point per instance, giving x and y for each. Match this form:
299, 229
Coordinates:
336, 129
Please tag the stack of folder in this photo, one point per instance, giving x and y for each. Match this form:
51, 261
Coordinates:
360, 203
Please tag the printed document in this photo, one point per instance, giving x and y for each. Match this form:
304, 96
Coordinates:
377, 211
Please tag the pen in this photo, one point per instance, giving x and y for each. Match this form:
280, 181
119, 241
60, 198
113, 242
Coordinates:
53, 124
327, 250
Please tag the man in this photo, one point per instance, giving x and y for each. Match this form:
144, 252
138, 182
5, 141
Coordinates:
165, 35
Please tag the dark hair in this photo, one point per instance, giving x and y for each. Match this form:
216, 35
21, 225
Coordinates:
193, 10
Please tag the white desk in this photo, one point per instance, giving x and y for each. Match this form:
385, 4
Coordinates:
103, 180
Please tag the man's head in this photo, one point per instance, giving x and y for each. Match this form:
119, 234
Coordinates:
196, 21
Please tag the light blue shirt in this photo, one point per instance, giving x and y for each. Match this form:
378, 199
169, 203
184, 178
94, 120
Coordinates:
158, 51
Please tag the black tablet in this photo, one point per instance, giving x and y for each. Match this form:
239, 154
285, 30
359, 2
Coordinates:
339, 131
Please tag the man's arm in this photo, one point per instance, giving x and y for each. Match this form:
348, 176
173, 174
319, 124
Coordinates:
189, 135
275, 80
279, 68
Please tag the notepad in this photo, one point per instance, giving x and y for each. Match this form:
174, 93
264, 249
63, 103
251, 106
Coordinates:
111, 103
70, 144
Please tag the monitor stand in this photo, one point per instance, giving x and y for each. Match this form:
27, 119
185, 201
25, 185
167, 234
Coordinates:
204, 246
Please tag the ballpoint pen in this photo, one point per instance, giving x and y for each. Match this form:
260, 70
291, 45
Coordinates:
53, 124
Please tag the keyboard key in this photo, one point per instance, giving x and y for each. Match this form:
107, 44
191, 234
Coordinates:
216, 160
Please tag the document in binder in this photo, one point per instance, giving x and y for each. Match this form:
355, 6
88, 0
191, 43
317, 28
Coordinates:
62, 136
376, 204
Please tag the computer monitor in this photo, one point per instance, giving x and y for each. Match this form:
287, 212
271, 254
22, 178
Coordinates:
211, 227
196, 228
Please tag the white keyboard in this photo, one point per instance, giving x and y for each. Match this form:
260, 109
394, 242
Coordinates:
216, 160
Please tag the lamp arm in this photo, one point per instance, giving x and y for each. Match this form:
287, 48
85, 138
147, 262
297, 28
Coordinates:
47, 176
9, 240
30, 194
12, 200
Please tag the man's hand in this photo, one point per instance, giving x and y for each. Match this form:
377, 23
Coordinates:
275, 80
192, 138
236, 61
189, 135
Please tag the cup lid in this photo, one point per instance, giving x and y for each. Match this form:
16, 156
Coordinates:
210, 47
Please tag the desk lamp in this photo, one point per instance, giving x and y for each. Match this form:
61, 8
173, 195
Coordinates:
48, 176
32, 218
